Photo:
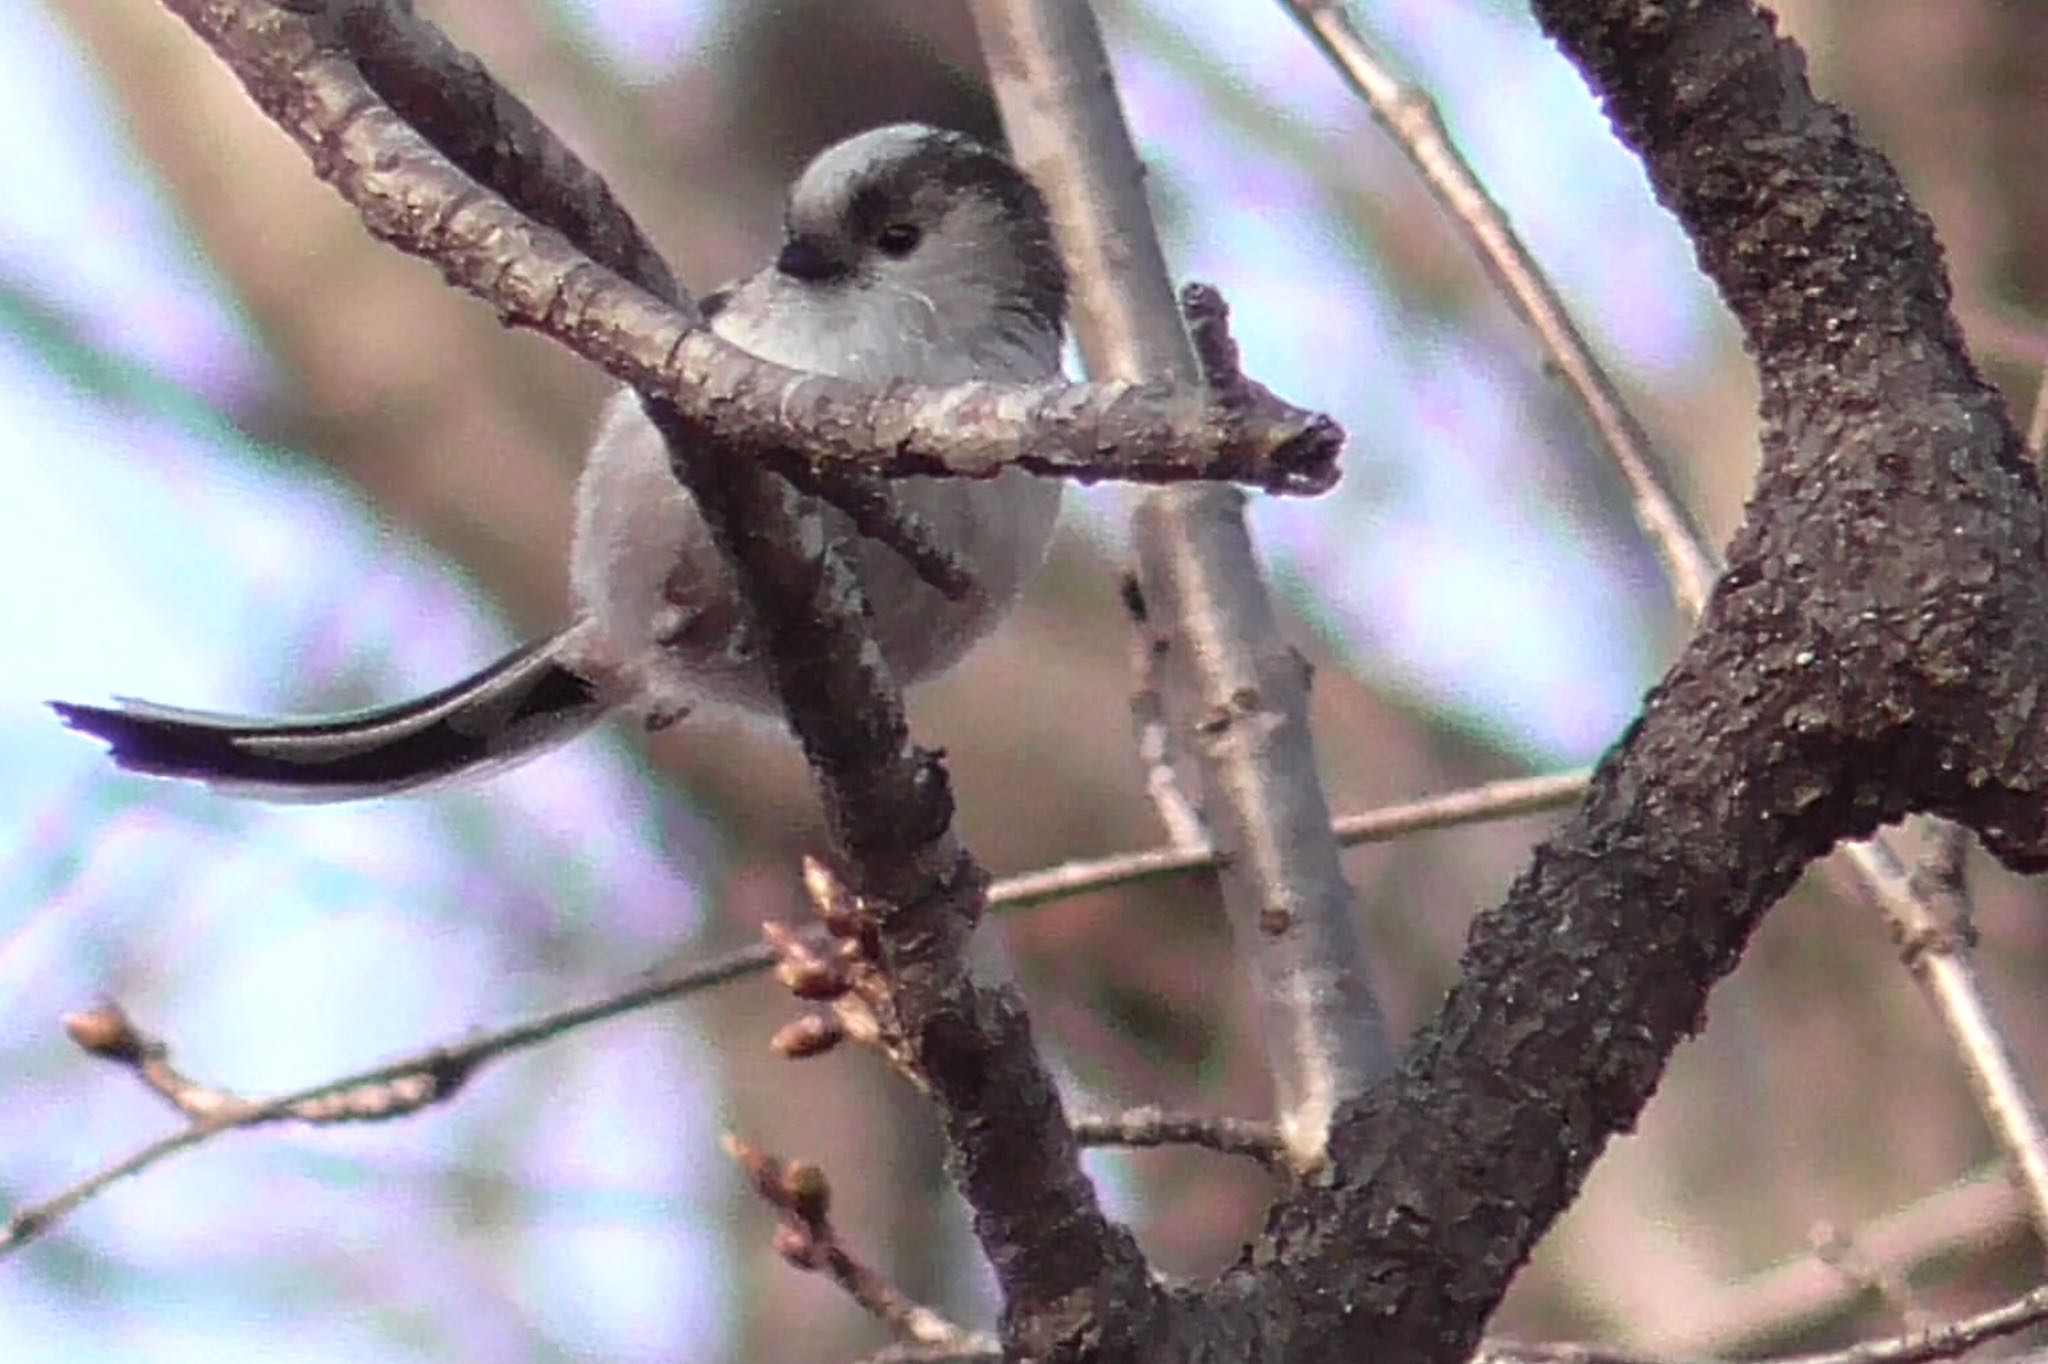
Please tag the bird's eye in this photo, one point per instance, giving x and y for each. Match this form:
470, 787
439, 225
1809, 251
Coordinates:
898, 239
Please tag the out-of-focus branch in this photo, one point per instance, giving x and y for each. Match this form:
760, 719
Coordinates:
1235, 691
1803, 1294
1691, 563
108, 1033
390, 1090
1410, 117
1948, 1341
1931, 917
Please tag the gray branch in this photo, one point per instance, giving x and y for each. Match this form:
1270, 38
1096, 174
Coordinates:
1236, 693
506, 213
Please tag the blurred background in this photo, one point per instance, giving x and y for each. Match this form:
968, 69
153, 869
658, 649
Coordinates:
250, 460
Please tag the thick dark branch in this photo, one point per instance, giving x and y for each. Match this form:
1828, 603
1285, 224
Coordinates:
1874, 648
424, 192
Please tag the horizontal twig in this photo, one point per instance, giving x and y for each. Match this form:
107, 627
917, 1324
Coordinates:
1148, 1126
362, 1090
1946, 1341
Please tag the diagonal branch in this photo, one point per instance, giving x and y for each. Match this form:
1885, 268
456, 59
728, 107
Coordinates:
537, 245
1410, 116
887, 801
1949, 1340
1871, 650
1691, 562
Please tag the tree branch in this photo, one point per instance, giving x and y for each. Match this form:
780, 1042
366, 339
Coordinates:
1691, 562
1410, 117
1947, 1341
887, 801
419, 1072
422, 190
1236, 693
1874, 648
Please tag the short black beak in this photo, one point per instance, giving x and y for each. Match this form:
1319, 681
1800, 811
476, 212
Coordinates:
802, 258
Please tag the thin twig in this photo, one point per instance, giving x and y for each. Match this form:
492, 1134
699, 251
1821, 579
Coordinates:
1801, 1295
1947, 1341
1933, 936
1495, 800
1158, 751
27, 1223
1691, 563
1410, 116
1865, 1274
1259, 1141
1236, 693
808, 1240
879, 515
1492, 800
108, 1033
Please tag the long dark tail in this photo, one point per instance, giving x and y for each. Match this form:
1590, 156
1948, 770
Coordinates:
522, 704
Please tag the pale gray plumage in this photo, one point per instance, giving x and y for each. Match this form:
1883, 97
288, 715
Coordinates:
909, 253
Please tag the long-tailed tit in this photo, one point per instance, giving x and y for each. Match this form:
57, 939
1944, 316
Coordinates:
909, 253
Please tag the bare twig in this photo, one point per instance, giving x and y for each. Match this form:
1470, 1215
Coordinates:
108, 1033
1410, 116
884, 518
1802, 1294
1866, 1274
1947, 1341
1497, 800
438, 1069
1158, 751
1259, 1141
1933, 931
1237, 693
1690, 562
1493, 800
807, 1239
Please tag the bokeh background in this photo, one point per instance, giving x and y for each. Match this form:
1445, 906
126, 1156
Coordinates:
252, 460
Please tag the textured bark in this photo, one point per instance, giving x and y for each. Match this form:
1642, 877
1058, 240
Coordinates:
1874, 648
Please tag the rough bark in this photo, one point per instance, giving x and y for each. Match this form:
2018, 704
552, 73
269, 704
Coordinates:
1874, 648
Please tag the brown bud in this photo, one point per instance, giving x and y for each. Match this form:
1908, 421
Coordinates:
808, 1191
810, 1035
105, 1032
809, 978
838, 907
795, 1245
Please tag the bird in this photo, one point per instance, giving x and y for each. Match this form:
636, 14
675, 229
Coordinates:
908, 253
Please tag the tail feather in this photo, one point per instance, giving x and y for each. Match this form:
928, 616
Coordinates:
512, 710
